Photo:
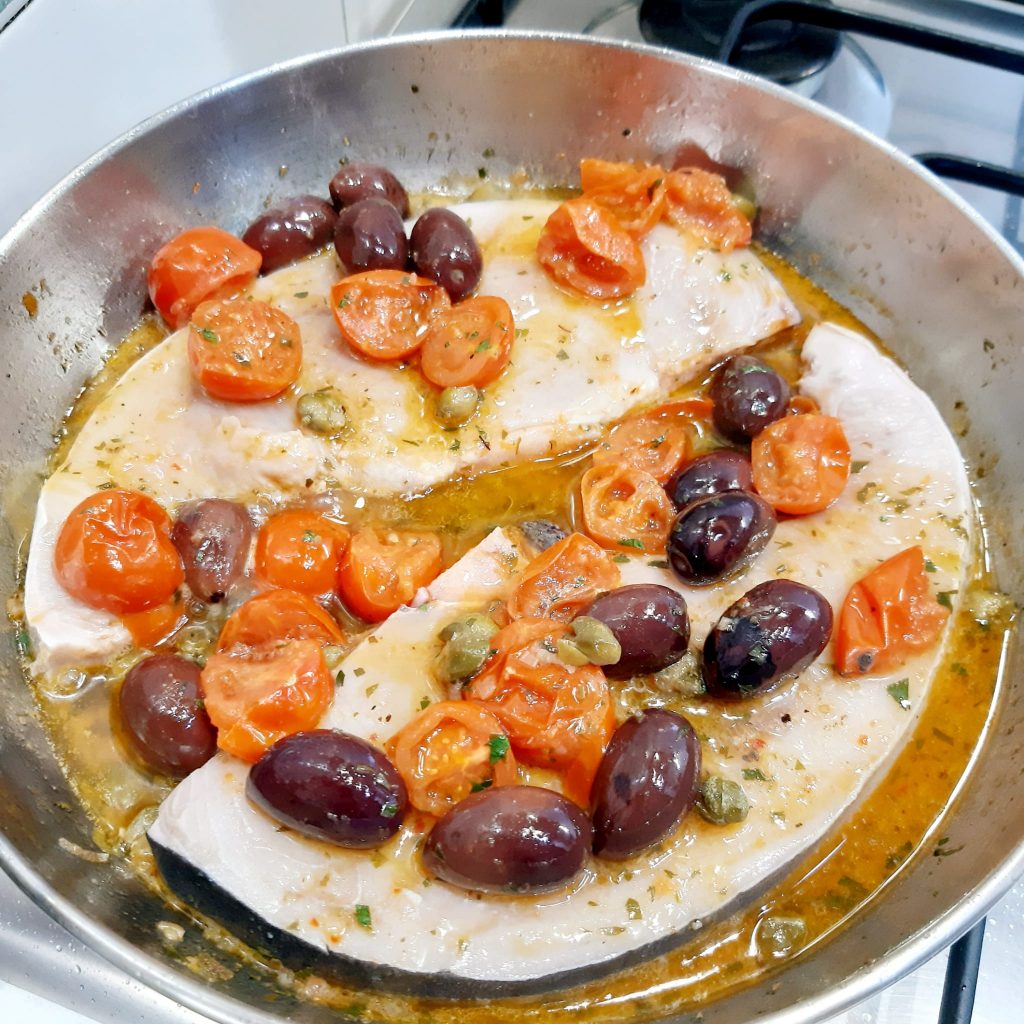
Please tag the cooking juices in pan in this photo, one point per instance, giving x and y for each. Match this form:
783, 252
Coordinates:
850, 867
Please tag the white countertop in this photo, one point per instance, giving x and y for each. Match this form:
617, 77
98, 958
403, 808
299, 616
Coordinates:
119, 62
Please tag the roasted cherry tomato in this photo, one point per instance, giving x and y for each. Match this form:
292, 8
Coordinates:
470, 344
625, 508
701, 201
241, 350
556, 716
277, 615
633, 193
384, 314
383, 569
658, 445
114, 552
196, 265
801, 463
450, 750
887, 616
561, 581
157, 624
256, 697
299, 549
584, 248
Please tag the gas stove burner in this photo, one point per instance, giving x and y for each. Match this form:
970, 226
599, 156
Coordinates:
783, 51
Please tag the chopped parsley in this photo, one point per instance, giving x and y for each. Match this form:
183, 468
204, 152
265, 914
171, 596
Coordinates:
483, 346
207, 335
945, 598
363, 918
633, 911
658, 563
930, 566
499, 747
301, 295
345, 300
900, 692
631, 542
424, 703
562, 354
755, 774
479, 787
309, 537
858, 465
620, 558
23, 643
340, 677
390, 809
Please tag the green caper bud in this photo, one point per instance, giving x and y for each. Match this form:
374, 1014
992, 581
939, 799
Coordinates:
746, 206
456, 406
322, 412
467, 645
570, 653
682, 678
722, 801
596, 641
777, 936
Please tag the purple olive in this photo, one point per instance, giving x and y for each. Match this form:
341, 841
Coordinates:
719, 534
774, 631
713, 473
651, 624
748, 396
213, 537
367, 181
443, 249
332, 786
647, 781
520, 839
162, 712
370, 235
298, 227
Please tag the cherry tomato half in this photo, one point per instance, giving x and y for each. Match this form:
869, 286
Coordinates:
383, 569
256, 697
470, 344
451, 749
277, 615
887, 616
196, 265
561, 581
299, 549
584, 248
801, 463
241, 350
114, 552
556, 716
701, 201
384, 314
625, 508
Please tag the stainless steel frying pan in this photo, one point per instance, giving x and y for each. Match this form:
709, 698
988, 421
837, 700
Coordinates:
903, 252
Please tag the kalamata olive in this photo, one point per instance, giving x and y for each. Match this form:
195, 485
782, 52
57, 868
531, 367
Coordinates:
509, 839
298, 227
650, 623
748, 395
713, 473
542, 533
212, 536
358, 181
718, 534
370, 235
332, 786
163, 716
774, 631
443, 248
647, 781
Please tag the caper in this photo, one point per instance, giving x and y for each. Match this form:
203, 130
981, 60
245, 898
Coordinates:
722, 801
779, 936
746, 206
467, 646
596, 641
456, 406
570, 653
682, 678
322, 412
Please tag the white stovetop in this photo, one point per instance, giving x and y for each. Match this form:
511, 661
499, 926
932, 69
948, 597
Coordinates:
117, 62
